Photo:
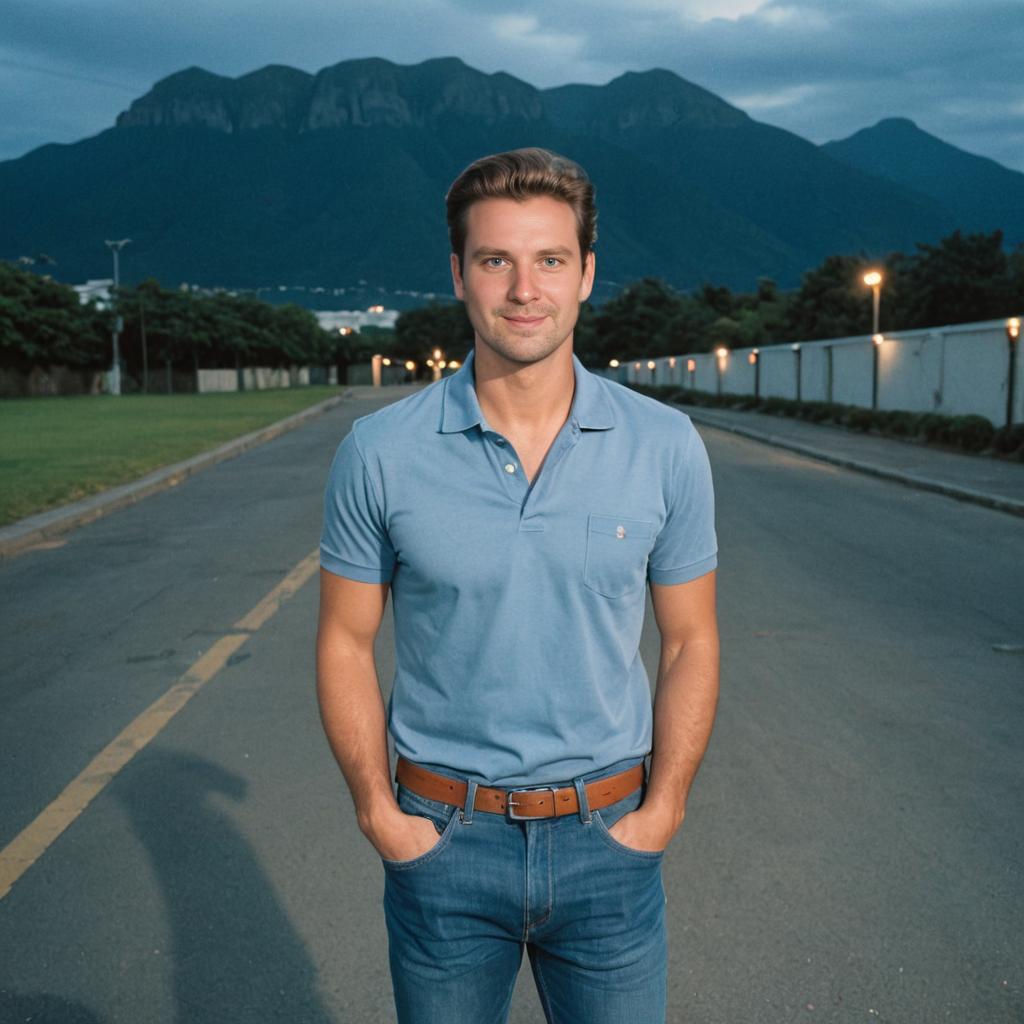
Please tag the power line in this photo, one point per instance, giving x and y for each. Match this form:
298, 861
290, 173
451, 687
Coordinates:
5, 62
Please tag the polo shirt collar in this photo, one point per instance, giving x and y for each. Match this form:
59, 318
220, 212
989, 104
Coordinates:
591, 409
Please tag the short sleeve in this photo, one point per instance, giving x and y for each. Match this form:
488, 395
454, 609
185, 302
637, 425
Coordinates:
687, 546
354, 541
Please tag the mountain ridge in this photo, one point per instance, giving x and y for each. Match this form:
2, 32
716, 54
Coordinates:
339, 175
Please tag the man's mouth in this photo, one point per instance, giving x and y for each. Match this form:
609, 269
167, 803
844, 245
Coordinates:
525, 321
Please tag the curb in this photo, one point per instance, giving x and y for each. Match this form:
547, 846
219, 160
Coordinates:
33, 530
922, 483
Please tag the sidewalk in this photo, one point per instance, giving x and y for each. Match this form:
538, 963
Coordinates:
975, 478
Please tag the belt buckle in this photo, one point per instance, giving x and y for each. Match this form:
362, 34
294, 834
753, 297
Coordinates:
510, 803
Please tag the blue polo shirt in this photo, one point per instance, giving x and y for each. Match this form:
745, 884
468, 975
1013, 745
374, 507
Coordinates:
518, 607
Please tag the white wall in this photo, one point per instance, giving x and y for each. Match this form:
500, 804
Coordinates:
952, 370
255, 378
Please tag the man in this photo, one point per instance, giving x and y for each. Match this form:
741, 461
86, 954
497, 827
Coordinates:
515, 511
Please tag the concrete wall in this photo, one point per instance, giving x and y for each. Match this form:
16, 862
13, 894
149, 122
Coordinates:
952, 370
255, 378
49, 380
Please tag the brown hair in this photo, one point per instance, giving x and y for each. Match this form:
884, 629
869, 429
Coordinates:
521, 174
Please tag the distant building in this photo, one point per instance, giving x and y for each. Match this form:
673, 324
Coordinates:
357, 319
98, 290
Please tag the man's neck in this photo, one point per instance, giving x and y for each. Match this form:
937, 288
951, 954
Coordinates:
524, 399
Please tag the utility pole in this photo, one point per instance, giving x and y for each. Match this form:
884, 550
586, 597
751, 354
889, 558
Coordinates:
115, 369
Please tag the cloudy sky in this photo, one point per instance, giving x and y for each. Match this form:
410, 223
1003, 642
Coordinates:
821, 68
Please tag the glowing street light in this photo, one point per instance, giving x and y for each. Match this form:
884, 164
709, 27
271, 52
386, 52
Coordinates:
613, 363
754, 358
721, 352
873, 279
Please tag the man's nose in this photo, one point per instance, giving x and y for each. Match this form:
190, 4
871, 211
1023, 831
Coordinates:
522, 288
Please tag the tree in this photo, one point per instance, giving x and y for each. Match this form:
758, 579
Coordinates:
631, 324
440, 325
832, 301
963, 278
44, 323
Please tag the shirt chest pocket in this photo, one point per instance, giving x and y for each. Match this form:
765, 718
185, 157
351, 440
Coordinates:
617, 549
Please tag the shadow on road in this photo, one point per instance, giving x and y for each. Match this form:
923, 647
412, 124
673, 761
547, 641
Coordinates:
236, 955
43, 1009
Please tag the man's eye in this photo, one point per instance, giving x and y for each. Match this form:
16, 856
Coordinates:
494, 261
552, 261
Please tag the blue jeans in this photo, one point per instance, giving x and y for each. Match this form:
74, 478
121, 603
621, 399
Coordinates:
590, 911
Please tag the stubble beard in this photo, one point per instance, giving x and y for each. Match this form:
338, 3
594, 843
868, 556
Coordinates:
524, 347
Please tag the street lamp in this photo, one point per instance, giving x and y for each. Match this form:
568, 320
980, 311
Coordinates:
721, 352
873, 279
1012, 334
691, 369
796, 352
876, 344
115, 369
755, 360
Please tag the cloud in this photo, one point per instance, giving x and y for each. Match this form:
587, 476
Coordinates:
788, 96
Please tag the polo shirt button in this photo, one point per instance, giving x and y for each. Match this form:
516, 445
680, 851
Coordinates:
510, 467
500, 442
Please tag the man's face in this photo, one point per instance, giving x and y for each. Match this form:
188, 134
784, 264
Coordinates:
522, 278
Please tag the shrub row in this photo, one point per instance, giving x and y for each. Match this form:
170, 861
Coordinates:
971, 434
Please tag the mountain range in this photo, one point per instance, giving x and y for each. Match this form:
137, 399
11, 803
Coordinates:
280, 176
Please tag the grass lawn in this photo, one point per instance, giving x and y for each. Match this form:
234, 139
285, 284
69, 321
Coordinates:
56, 450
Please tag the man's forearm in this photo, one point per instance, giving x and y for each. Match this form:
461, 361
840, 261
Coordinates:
685, 700
352, 713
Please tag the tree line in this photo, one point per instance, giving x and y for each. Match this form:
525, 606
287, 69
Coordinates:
43, 322
963, 278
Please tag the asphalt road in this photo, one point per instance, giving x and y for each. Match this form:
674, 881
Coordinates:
852, 850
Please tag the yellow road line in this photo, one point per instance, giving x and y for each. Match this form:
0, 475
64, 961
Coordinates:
33, 841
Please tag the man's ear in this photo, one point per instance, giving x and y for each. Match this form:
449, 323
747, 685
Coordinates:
460, 291
587, 284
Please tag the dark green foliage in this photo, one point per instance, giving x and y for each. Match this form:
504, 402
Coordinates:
1009, 441
974, 434
440, 325
963, 278
629, 325
43, 322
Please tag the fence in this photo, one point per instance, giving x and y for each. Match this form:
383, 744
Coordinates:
953, 370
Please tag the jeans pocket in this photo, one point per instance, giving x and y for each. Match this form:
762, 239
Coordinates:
444, 818
604, 819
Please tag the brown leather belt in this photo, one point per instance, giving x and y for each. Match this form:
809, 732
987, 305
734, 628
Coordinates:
531, 802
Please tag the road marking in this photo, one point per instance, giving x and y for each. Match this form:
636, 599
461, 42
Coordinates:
34, 840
